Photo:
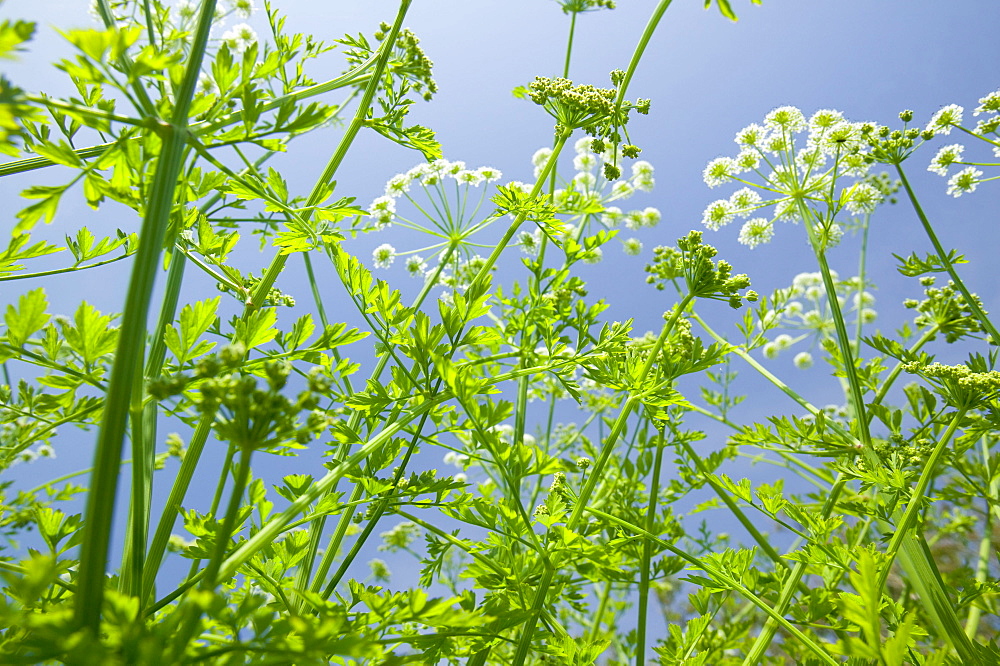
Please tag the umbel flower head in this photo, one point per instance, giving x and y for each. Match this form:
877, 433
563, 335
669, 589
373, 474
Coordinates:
794, 169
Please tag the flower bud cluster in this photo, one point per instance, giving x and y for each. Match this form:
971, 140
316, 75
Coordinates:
248, 414
946, 309
705, 278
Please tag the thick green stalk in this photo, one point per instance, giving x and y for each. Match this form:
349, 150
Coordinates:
144, 439
127, 367
985, 544
647, 553
173, 505
640, 48
569, 44
191, 611
857, 398
970, 300
906, 524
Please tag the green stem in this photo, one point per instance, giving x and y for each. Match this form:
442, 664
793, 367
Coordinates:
725, 579
970, 299
985, 546
647, 552
862, 274
913, 506
844, 342
640, 48
127, 368
173, 505
596, 475
569, 44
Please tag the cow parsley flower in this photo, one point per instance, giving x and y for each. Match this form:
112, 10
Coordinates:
748, 160
964, 181
720, 170
585, 180
240, 37
823, 120
751, 136
632, 246
489, 174
745, 201
583, 145
383, 209
593, 256
756, 232
641, 168
398, 185
718, 214
622, 189
585, 162
988, 104
612, 216
803, 360
787, 119
861, 199
244, 8
529, 242
942, 121
384, 255
946, 156
469, 177
650, 216
415, 265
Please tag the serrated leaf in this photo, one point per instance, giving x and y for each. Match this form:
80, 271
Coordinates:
194, 321
91, 334
258, 328
27, 318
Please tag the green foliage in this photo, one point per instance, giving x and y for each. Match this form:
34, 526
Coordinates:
543, 539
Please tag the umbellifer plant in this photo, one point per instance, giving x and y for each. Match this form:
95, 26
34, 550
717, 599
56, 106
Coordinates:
548, 541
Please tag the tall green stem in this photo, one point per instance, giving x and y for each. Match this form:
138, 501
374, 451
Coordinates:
647, 552
970, 300
127, 369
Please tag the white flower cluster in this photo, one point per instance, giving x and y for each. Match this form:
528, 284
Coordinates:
428, 174
965, 180
588, 190
805, 309
801, 175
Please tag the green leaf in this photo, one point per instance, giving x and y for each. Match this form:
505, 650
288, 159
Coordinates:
28, 318
194, 321
12, 35
91, 334
257, 329
60, 153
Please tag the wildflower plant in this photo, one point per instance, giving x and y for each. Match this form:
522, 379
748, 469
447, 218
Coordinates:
442, 510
